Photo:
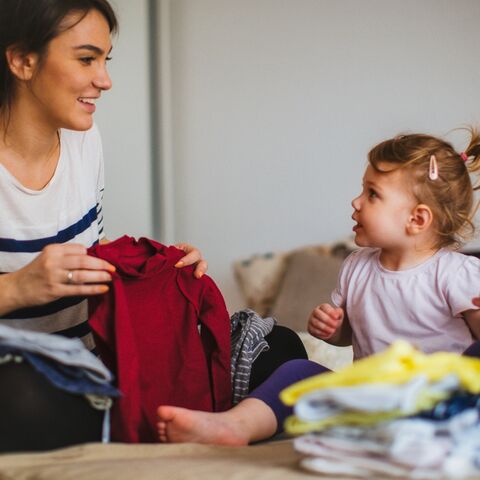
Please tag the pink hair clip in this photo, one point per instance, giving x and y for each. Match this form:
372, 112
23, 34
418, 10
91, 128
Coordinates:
464, 156
433, 169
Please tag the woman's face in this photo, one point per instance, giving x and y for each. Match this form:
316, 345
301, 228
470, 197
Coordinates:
73, 74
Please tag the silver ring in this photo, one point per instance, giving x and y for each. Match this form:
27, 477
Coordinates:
70, 276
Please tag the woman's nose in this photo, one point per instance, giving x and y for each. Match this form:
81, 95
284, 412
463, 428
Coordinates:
103, 80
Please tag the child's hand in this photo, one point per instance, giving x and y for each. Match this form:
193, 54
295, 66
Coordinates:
325, 321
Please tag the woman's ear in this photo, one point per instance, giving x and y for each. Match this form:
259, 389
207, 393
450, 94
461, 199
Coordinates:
420, 219
22, 65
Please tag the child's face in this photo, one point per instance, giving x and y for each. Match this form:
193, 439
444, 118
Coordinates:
383, 209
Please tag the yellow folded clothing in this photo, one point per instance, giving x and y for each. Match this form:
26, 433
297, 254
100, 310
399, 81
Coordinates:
294, 426
396, 365
384, 404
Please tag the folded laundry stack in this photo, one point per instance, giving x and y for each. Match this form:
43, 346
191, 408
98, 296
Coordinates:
399, 414
65, 363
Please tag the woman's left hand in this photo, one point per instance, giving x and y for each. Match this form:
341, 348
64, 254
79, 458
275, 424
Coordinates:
193, 257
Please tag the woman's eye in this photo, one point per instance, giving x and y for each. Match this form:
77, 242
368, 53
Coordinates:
87, 60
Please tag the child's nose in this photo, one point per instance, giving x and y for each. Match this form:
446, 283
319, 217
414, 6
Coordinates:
356, 203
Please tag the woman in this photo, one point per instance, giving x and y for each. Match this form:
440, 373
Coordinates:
53, 68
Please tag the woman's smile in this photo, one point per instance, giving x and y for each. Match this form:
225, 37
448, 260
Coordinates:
88, 103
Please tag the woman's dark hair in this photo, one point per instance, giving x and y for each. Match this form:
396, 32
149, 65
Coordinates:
30, 25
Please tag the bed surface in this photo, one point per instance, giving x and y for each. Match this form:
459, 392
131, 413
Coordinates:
95, 461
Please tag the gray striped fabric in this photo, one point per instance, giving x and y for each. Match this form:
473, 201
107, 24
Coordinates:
248, 331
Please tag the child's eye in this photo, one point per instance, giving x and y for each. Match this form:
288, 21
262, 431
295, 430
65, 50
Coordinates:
372, 193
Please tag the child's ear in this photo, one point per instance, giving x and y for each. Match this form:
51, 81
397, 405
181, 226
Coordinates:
420, 219
21, 64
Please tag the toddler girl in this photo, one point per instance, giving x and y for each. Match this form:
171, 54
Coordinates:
416, 204
415, 208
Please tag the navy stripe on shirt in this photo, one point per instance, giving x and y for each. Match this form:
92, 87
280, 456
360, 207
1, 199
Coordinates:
17, 246
43, 310
77, 331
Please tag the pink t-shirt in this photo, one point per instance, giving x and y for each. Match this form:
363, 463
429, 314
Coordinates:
423, 304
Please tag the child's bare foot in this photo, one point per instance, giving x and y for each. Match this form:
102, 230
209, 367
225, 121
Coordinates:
181, 425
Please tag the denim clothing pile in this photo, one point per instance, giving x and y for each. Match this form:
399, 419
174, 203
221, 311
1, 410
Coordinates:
65, 363
72, 379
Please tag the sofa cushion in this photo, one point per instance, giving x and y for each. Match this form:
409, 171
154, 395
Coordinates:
309, 280
259, 278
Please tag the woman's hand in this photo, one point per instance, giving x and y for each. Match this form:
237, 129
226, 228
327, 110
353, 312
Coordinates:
193, 257
60, 270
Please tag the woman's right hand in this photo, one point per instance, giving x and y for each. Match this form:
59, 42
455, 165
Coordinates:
325, 321
60, 270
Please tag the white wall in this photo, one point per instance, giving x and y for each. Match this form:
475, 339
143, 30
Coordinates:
123, 117
275, 104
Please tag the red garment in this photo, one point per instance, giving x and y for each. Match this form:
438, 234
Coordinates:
146, 332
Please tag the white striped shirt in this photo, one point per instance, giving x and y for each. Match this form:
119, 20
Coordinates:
67, 209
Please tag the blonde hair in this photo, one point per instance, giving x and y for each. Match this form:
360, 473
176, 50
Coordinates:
451, 195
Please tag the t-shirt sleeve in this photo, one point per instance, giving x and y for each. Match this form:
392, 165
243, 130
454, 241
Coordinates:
100, 189
339, 295
463, 283
100, 181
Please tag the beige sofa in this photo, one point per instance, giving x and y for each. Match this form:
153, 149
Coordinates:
288, 285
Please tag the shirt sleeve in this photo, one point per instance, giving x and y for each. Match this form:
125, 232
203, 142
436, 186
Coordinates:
214, 319
339, 295
100, 183
216, 343
463, 283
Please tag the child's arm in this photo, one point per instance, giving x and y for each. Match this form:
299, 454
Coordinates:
331, 325
472, 317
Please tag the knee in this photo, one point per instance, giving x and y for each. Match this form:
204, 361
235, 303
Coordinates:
473, 350
286, 340
301, 368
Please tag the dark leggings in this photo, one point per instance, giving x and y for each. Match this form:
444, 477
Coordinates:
473, 350
286, 375
34, 415
285, 345
296, 370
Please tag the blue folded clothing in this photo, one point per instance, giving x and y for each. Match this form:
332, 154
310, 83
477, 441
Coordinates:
65, 362
71, 379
